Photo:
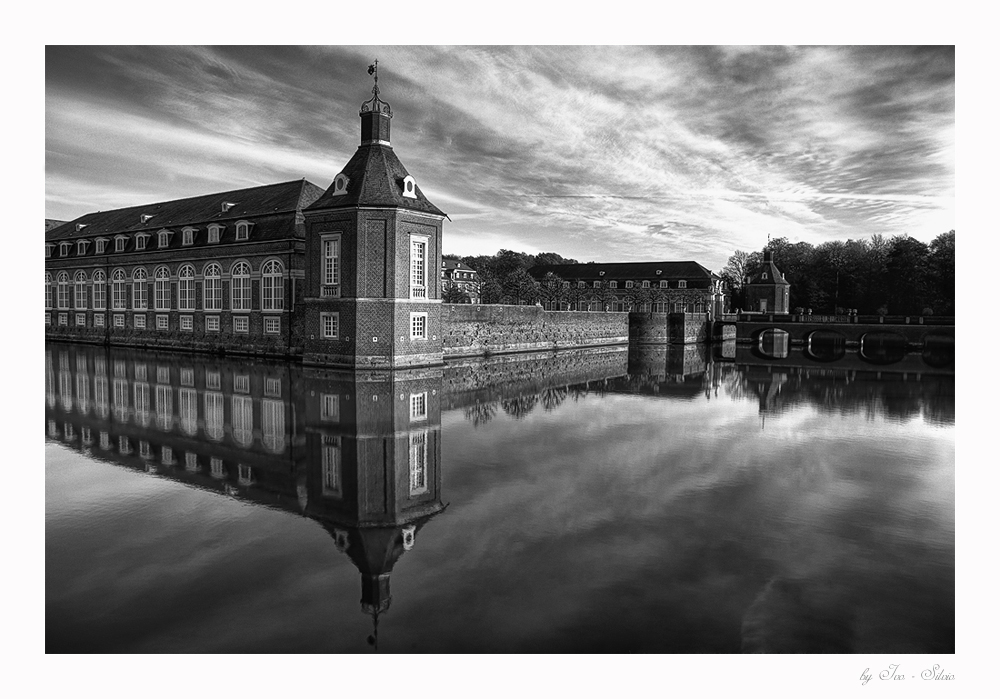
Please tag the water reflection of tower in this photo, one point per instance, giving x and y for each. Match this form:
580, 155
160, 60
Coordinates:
373, 467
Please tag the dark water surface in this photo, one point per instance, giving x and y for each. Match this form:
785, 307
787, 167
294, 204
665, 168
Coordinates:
643, 500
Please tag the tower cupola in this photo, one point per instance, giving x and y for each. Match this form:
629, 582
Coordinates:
375, 115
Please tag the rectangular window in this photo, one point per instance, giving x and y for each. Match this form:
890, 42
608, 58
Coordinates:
645, 284
48, 251
214, 415
213, 380
331, 465
212, 324
164, 407
140, 372
244, 474
162, 322
217, 468
331, 264
188, 237
139, 322
663, 283
48, 319
682, 284
162, 374
81, 319
63, 319
241, 324
418, 406
144, 450
418, 326
272, 325
330, 325
418, 463
242, 420
272, 424
213, 234
100, 292
612, 285
241, 383
119, 320
272, 387
191, 461
628, 285
187, 323
329, 407
418, 268
187, 377
98, 320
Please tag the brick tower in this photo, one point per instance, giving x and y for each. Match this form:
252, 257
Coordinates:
373, 255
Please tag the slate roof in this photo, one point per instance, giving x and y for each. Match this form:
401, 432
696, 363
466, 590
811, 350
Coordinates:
51, 223
687, 270
251, 202
451, 265
774, 275
375, 179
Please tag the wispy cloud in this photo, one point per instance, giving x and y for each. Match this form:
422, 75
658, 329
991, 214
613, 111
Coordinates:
593, 152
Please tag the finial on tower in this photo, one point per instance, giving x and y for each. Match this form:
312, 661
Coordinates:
375, 104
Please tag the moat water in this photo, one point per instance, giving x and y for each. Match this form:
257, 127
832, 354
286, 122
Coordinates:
698, 500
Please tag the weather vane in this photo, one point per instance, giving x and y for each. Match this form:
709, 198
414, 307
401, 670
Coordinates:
373, 70
375, 104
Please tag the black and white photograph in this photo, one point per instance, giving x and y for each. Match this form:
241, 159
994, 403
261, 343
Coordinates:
503, 349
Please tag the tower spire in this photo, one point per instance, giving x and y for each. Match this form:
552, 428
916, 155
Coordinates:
375, 114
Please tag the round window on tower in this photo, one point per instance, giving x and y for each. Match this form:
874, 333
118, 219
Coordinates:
409, 187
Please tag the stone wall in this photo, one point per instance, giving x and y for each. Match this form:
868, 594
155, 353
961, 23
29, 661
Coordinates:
480, 330
673, 328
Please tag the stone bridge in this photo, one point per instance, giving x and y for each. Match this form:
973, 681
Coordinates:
915, 332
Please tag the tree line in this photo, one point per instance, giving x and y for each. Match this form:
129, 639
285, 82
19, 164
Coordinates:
879, 275
504, 278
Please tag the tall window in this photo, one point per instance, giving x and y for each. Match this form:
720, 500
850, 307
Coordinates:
187, 236
140, 241
272, 288
80, 291
242, 230
213, 287
272, 413
418, 268
48, 290
100, 243
188, 410
100, 292
682, 284
120, 243
118, 286
214, 233
140, 290
243, 420
62, 290
331, 261
185, 288
418, 463
214, 425
161, 284
241, 287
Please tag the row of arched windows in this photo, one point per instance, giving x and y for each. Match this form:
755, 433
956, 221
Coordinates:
272, 288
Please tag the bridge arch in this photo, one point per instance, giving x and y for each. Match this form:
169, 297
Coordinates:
772, 343
939, 350
882, 347
825, 345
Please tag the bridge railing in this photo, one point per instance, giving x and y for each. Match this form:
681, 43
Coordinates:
745, 317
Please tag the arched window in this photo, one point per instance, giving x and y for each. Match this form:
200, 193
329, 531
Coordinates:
48, 290
241, 287
118, 285
80, 291
213, 287
62, 290
272, 288
161, 290
140, 290
185, 288
99, 295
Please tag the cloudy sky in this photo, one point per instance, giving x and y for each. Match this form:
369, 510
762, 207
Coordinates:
597, 153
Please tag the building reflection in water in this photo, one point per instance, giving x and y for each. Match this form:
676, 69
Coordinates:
359, 453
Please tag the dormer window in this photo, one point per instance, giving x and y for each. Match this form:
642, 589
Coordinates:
340, 183
629, 285
140, 241
163, 238
597, 285
663, 283
64, 249
581, 285
409, 187
682, 284
80, 227
612, 285
81, 247
187, 236
120, 242
48, 249
100, 244
143, 218
227, 206
645, 284
243, 230
214, 233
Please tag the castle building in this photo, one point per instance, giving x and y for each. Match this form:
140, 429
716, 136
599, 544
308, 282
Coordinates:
767, 291
462, 277
659, 287
344, 277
